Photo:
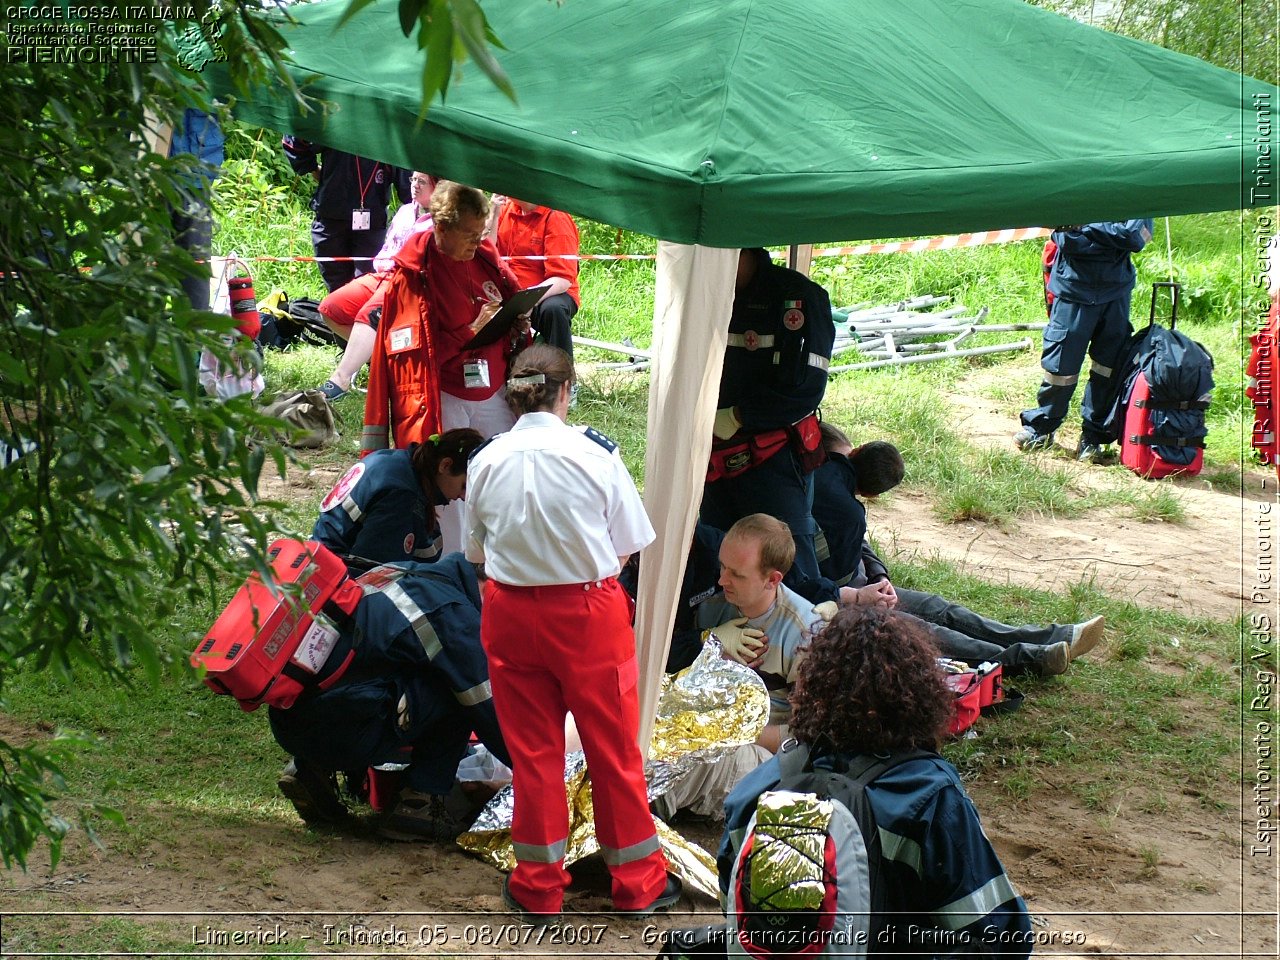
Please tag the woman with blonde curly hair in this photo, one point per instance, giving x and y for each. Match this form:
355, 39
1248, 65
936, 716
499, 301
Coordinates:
423, 379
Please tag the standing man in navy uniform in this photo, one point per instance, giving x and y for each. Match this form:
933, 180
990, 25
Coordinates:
1091, 283
350, 205
766, 432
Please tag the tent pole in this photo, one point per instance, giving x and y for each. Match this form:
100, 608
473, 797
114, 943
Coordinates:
693, 301
800, 257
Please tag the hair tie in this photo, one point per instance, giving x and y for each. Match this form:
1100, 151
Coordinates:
531, 379
434, 439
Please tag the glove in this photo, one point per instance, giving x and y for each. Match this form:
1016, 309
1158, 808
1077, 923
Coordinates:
727, 423
740, 642
827, 610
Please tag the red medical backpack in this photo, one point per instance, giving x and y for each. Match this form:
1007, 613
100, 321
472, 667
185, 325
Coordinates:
271, 644
1166, 384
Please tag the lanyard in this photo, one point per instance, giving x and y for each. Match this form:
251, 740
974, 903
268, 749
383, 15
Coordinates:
368, 183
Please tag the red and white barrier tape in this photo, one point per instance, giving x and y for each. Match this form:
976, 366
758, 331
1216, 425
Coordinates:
954, 242
937, 243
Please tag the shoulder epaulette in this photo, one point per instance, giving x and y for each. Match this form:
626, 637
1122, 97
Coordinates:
591, 433
472, 454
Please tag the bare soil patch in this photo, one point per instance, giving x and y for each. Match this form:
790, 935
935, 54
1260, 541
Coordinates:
1192, 568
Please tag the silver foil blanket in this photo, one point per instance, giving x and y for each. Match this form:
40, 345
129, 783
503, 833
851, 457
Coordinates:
712, 706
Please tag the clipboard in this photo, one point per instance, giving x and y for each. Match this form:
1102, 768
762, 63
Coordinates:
501, 322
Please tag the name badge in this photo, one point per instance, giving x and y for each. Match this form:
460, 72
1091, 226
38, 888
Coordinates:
316, 645
475, 373
361, 219
401, 339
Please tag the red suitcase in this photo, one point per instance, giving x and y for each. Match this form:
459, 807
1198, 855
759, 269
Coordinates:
269, 645
1141, 457
1159, 448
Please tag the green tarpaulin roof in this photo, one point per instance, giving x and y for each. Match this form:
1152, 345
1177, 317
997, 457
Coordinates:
742, 122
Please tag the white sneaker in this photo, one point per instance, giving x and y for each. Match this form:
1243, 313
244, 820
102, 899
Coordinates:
1085, 636
1056, 659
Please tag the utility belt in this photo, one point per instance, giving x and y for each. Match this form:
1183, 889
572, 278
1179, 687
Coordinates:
735, 456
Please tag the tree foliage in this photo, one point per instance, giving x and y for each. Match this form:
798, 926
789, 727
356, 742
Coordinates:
133, 492
1239, 36
449, 33
125, 491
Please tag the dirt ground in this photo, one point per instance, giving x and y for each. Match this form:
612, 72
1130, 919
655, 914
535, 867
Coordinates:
1193, 568
1122, 882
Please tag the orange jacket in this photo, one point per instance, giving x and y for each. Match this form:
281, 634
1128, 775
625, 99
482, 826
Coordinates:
403, 402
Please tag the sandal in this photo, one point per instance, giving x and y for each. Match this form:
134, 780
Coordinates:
332, 391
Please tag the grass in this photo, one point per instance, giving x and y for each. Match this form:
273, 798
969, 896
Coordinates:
75, 937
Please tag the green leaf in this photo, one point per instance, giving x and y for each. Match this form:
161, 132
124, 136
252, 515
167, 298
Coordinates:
472, 27
410, 13
436, 29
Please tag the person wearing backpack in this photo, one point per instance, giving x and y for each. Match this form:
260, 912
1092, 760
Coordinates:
1091, 282
870, 699
417, 679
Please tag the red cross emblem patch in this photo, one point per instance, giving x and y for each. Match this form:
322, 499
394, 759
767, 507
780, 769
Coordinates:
751, 340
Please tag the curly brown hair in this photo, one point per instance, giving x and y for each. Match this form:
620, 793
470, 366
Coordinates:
451, 202
871, 683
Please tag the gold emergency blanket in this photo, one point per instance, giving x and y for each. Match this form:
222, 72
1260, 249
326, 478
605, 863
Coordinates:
713, 705
788, 857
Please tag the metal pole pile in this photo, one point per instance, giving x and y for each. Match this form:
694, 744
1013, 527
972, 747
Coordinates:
889, 333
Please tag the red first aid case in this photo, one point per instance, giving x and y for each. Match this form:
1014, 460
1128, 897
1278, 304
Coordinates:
274, 641
1137, 451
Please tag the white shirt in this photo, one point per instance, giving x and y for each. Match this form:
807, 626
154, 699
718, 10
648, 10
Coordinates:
546, 505
409, 219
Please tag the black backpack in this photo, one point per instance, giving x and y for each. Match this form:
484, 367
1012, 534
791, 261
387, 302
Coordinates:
817, 824
1166, 379
286, 322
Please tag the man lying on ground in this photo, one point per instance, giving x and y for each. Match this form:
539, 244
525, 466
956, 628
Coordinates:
845, 557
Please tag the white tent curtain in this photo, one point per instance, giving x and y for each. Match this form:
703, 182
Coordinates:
692, 305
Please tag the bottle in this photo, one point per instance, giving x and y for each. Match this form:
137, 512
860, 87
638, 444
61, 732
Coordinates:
244, 307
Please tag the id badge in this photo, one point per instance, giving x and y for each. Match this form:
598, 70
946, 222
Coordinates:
401, 339
475, 374
360, 220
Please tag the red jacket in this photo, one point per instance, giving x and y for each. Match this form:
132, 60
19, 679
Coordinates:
403, 402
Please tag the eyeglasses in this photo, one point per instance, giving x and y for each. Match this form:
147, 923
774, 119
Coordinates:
420, 181
465, 238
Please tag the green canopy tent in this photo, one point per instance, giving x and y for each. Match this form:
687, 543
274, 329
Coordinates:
744, 122
747, 122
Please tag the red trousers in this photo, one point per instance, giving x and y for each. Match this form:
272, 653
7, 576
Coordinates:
352, 302
571, 648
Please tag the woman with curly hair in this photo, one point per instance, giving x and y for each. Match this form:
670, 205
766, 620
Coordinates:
871, 684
